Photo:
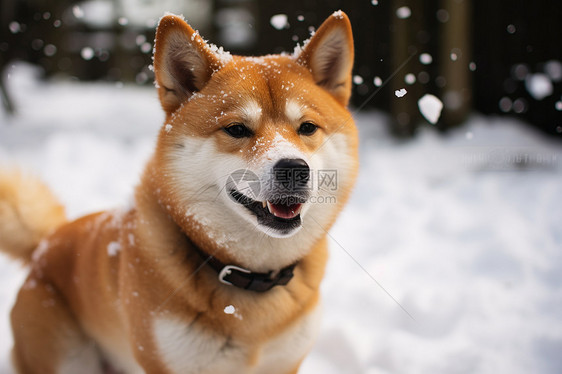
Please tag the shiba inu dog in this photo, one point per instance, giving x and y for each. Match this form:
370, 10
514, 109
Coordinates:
217, 265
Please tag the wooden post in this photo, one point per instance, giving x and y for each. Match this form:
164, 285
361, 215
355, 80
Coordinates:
405, 114
455, 55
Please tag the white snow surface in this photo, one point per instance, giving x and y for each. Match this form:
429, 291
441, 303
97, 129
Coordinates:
463, 231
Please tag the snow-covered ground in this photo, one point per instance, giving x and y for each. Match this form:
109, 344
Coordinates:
462, 231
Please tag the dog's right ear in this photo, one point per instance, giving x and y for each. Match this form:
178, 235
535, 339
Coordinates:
183, 62
329, 56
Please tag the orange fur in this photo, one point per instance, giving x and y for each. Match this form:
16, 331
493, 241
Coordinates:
107, 288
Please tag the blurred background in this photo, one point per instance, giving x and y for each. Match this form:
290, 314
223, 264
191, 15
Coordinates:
448, 257
496, 57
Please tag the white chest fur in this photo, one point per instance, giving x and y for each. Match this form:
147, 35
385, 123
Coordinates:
194, 349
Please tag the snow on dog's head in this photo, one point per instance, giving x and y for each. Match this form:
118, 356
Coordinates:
255, 149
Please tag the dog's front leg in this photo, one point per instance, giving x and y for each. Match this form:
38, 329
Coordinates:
143, 345
47, 337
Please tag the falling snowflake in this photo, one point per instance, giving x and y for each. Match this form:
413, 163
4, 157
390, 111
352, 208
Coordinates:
87, 53
426, 59
279, 21
401, 92
77, 11
430, 108
357, 79
538, 85
403, 12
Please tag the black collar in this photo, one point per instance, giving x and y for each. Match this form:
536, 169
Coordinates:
243, 278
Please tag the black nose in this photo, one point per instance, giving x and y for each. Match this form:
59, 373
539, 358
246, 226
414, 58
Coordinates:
291, 173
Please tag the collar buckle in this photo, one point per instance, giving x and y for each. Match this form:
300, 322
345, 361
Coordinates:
227, 270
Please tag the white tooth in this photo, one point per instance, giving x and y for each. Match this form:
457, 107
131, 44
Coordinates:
264, 204
270, 208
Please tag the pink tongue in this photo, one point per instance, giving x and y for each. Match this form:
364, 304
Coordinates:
285, 211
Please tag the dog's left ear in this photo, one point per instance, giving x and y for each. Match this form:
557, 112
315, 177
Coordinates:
183, 62
329, 56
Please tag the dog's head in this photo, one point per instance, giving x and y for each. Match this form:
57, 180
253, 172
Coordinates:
257, 154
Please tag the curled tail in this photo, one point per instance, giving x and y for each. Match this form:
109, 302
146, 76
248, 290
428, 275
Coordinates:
28, 212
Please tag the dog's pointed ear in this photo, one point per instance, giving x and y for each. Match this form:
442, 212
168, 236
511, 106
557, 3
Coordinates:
183, 61
329, 56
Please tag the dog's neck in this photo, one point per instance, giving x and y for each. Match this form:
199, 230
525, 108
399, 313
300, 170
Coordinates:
240, 277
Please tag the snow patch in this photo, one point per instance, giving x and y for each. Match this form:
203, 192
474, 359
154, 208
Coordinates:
338, 14
299, 48
42, 248
231, 310
113, 248
31, 283
224, 56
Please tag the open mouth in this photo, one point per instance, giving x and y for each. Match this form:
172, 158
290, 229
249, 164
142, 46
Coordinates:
282, 214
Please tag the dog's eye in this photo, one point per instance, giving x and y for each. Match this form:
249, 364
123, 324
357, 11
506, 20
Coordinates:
238, 130
307, 128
